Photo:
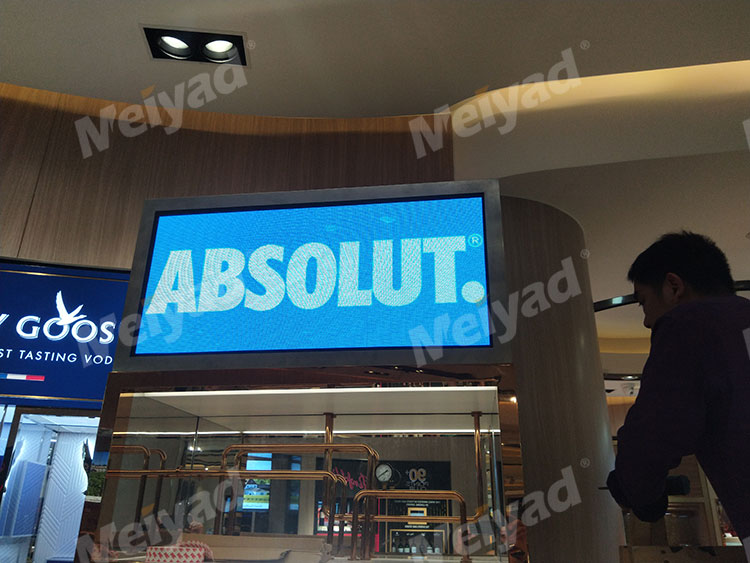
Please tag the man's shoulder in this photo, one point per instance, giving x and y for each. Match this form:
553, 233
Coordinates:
703, 320
707, 308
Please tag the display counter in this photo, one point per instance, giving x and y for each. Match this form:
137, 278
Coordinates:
354, 472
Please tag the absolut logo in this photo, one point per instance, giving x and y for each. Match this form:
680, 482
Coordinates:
313, 274
65, 324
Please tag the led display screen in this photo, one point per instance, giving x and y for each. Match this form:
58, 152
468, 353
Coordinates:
379, 273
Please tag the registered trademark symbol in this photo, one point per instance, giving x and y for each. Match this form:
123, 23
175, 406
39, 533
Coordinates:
585, 253
250, 44
475, 240
585, 462
585, 44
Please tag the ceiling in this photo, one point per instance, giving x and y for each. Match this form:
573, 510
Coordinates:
630, 157
346, 58
651, 140
69, 424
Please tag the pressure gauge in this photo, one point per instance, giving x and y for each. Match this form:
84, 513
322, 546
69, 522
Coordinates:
383, 472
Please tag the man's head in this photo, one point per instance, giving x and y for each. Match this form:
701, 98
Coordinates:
677, 268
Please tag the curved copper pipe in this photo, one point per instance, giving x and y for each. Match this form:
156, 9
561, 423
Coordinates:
134, 449
146, 459
296, 475
162, 464
161, 454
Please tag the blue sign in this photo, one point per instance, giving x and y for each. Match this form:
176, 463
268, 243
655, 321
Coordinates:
58, 332
350, 275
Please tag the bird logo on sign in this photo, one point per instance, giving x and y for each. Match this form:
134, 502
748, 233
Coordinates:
65, 317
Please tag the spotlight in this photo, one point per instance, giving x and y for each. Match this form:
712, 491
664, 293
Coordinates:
174, 47
219, 50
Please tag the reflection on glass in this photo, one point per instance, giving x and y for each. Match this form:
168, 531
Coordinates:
424, 441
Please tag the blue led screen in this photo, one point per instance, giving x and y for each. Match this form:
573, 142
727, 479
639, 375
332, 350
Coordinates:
334, 276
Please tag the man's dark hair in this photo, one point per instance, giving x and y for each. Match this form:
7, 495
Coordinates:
693, 257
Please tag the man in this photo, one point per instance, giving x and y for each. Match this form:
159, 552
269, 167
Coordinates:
695, 389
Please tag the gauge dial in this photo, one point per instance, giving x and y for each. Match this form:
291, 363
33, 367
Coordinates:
384, 472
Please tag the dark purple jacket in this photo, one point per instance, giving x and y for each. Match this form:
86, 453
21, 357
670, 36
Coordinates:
694, 399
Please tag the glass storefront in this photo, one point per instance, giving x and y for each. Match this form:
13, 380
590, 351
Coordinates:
46, 486
290, 466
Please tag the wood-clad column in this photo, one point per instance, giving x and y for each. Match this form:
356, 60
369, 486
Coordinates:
562, 409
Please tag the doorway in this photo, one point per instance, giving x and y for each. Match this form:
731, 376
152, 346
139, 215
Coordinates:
45, 485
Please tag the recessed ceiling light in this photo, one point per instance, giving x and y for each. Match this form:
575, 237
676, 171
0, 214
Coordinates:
174, 47
220, 50
196, 46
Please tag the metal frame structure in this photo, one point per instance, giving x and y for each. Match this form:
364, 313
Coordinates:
147, 454
400, 494
327, 449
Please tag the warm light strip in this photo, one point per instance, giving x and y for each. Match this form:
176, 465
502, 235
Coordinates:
245, 392
297, 432
146, 433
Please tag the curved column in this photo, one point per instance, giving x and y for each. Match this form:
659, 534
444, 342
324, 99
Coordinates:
565, 437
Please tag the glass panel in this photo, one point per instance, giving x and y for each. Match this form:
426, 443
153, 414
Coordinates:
46, 487
233, 456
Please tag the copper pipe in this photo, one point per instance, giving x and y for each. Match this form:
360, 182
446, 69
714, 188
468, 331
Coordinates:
328, 459
292, 475
372, 458
372, 455
299, 448
147, 454
402, 494
478, 462
162, 465
134, 449
329, 428
162, 455
142, 485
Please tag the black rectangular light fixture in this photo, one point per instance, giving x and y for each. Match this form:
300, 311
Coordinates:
200, 46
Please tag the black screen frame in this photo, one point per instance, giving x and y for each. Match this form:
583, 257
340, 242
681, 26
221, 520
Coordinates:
127, 361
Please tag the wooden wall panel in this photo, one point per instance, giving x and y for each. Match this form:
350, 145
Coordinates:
26, 120
86, 210
561, 399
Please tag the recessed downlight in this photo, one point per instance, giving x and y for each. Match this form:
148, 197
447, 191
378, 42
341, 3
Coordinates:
220, 50
196, 46
174, 47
